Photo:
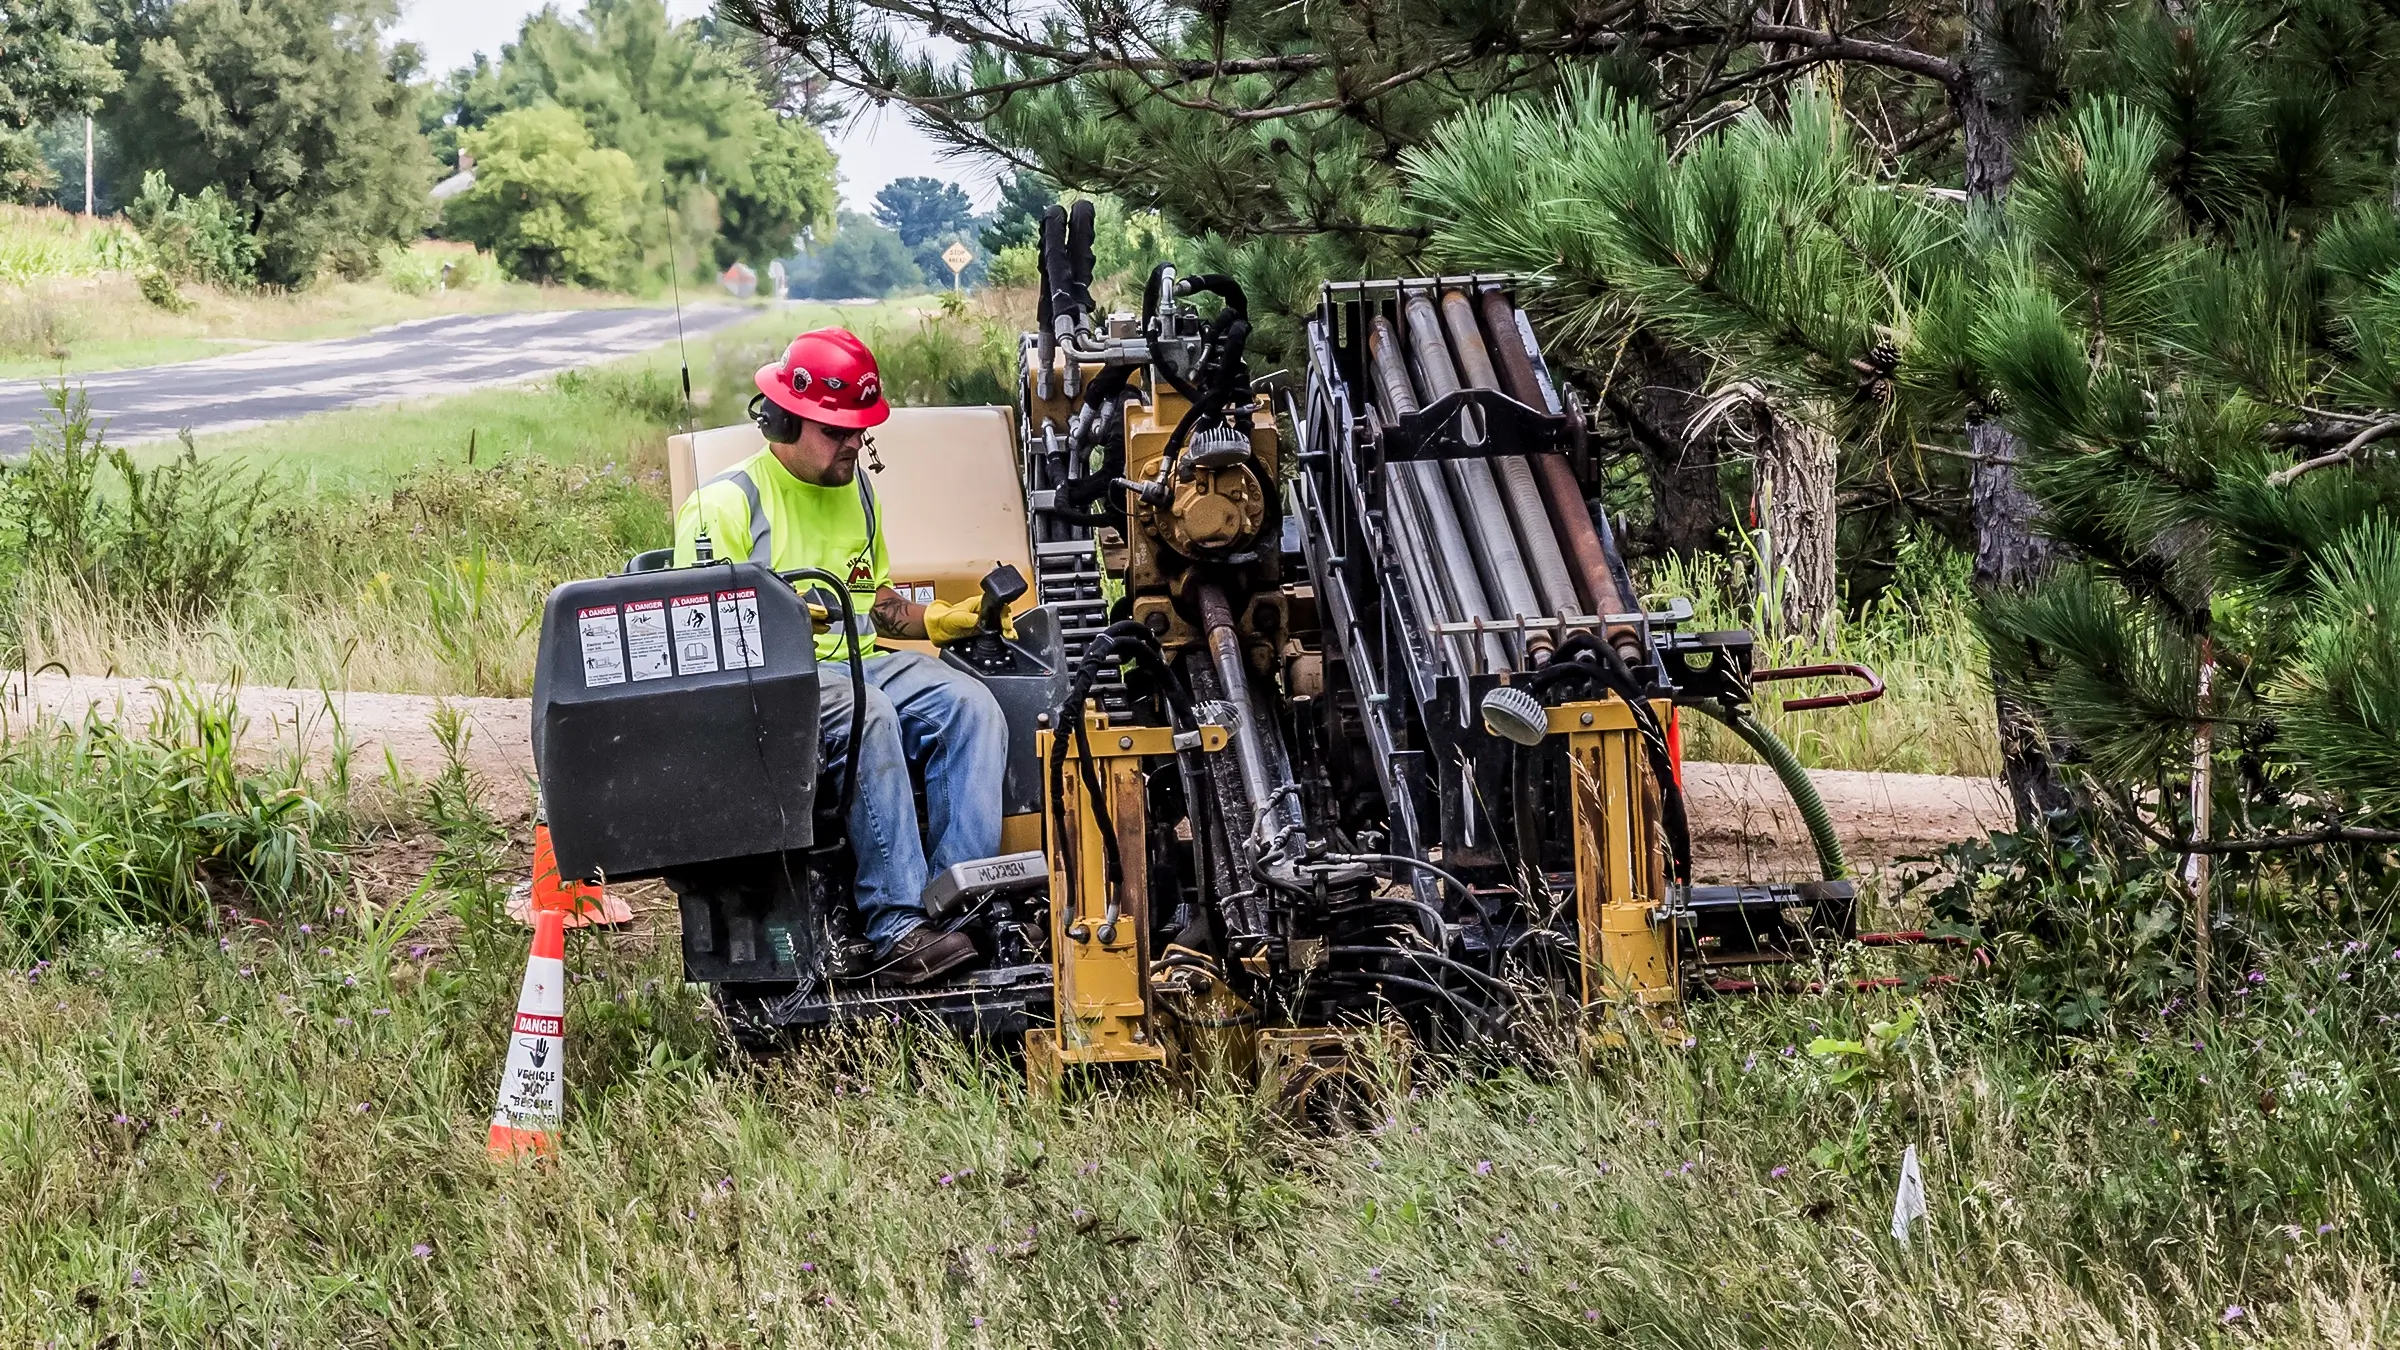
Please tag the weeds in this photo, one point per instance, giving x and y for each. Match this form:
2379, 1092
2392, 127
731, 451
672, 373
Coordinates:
100, 826
426, 269
40, 244
198, 238
179, 569
179, 540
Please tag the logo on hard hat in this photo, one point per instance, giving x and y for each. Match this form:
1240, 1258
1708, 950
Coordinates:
800, 379
869, 389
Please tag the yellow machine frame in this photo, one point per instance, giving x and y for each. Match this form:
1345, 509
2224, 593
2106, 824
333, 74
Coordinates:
1628, 956
1101, 970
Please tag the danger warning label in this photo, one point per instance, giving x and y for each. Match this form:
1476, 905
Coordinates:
737, 621
603, 654
646, 650
695, 630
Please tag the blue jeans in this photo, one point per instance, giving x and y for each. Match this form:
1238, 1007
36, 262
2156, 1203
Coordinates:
923, 712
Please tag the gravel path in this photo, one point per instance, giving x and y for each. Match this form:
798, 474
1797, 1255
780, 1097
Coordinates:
422, 358
1744, 828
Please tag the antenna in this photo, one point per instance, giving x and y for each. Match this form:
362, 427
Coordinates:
691, 422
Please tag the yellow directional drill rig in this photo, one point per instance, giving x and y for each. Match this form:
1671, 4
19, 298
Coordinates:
1363, 725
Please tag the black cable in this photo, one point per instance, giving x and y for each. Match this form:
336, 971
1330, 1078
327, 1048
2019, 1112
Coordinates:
1465, 892
1128, 641
1404, 954
1473, 1013
858, 673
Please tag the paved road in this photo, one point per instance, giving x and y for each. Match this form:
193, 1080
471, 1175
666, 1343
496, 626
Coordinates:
419, 359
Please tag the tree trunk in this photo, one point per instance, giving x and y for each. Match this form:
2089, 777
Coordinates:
1657, 391
1993, 107
1797, 471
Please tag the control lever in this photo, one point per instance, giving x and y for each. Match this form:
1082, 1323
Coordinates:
988, 649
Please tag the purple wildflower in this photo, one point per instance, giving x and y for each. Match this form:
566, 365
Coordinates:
1483, 1168
1779, 1174
2234, 1312
421, 1251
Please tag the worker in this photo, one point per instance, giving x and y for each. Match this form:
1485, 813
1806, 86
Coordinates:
802, 502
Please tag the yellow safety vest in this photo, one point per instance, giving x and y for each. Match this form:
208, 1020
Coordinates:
757, 511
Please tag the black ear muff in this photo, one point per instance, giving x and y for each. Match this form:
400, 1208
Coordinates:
774, 421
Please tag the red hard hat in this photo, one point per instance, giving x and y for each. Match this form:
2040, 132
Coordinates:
827, 376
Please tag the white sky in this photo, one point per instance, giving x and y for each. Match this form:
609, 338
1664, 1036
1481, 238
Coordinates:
875, 146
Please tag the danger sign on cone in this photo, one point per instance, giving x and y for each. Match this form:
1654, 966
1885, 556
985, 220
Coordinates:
532, 1087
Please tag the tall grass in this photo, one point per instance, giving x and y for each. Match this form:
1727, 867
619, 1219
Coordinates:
302, 1163
1936, 713
40, 243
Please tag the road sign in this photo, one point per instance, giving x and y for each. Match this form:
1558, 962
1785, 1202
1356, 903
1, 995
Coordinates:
958, 257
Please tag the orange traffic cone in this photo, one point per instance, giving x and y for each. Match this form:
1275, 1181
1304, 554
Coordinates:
532, 1087
579, 902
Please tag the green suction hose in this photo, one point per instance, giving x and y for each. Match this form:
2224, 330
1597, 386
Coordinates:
1795, 782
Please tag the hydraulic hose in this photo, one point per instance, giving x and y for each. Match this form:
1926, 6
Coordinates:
1779, 757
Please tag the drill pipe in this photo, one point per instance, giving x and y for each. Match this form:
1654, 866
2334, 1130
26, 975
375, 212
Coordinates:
1478, 492
1524, 498
1451, 559
1405, 516
1565, 496
1258, 783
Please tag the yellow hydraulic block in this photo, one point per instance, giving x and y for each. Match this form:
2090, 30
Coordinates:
1620, 876
1100, 953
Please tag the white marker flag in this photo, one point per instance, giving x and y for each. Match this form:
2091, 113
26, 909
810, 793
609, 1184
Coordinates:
1908, 1205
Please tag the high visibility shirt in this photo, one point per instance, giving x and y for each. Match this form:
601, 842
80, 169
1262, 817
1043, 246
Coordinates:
756, 511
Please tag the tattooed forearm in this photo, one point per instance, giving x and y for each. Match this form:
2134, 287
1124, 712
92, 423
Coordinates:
897, 616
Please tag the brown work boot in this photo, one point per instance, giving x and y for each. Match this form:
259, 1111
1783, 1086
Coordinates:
924, 954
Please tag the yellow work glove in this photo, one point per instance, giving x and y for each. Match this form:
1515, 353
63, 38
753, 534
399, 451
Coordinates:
819, 617
946, 622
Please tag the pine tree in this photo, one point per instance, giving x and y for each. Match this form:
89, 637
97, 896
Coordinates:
2184, 317
1273, 135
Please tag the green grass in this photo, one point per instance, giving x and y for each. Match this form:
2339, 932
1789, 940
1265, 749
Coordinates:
1936, 713
40, 243
259, 1132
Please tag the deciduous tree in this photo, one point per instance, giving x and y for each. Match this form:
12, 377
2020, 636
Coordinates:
294, 109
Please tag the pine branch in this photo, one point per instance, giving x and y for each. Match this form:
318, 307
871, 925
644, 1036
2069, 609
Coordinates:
2377, 432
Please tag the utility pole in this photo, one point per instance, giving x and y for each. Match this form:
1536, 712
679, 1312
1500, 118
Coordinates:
88, 210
